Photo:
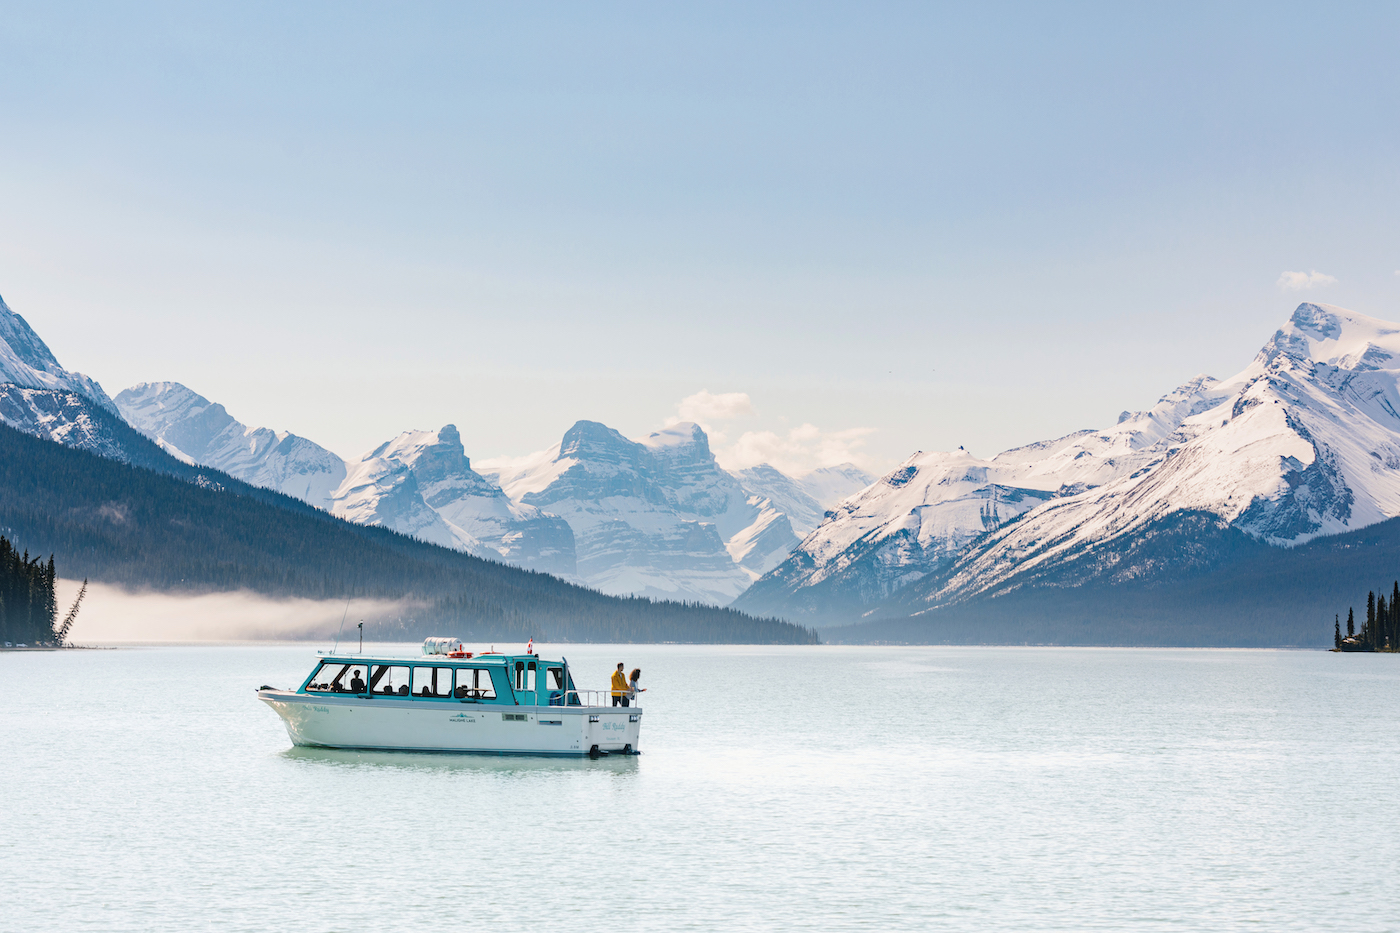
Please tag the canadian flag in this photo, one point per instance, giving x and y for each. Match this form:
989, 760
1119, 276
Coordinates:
530, 648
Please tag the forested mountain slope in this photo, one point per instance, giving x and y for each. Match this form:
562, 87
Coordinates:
1213, 585
140, 528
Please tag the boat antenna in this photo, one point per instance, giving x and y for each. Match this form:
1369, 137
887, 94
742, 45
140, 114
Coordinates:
336, 647
362, 637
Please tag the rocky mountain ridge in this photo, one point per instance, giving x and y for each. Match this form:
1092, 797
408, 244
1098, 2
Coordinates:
1304, 442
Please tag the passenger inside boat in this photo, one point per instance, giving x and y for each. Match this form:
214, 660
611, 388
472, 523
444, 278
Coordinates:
357, 683
474, 684
328, 678
386, 676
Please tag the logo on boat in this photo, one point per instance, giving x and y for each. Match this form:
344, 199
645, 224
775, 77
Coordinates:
461, 717
321, 709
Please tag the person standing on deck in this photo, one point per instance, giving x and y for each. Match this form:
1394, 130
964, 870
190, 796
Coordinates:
619, 686
633, 689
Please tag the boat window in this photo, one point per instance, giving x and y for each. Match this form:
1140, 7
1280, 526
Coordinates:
331, 677
391, 680
524, 675
556, 678
474, 683
432, 681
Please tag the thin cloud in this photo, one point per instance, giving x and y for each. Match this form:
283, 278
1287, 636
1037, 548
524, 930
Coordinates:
799, 451
707, 409
706, 406
1297, 281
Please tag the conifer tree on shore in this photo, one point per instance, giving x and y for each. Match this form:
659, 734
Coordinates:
1337, 632
1351, 622
29, 599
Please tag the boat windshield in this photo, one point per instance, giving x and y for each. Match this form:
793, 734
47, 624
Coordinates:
338, 677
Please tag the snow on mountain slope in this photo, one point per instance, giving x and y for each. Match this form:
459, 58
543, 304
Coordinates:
787, 495
192, 428
922, 515
830, 485
69, 419
1304, 442
655, 516
805, 500
383, 492
765, 543
422, 483
27, 362
40, 397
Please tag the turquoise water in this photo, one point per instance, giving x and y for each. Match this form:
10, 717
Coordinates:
832, 788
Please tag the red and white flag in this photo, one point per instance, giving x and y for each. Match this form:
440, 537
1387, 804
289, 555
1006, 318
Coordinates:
530, 648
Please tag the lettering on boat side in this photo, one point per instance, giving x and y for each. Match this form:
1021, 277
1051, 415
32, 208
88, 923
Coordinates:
461, 717
321, 709
515, 717
614, 725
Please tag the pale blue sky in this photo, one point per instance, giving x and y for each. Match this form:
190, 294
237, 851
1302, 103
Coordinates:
978, 226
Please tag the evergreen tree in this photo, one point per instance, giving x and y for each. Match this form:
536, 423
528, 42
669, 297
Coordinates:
1393, 631
28, 606
1351, 622
1374, 632
1370, 613
1337, 632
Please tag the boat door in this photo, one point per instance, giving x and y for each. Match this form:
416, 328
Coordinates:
525, 688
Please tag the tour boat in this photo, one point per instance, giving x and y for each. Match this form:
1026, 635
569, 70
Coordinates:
449, 699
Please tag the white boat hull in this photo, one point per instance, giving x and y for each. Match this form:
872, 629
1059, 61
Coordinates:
339, 721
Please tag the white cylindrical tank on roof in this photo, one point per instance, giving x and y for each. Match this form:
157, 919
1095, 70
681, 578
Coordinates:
441, 645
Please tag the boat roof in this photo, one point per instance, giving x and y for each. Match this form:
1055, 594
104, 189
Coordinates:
433, 659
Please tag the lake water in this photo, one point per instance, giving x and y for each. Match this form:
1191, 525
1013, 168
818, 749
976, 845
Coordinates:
831, 788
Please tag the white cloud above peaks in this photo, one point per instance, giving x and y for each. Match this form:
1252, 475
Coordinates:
706, 406
799, 451
707, 409
1297, 281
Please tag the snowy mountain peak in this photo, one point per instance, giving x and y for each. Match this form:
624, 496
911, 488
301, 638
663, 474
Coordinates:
588, 440
1303, 442
190, 427
27, 362
1334, 336
421, 483
686, 437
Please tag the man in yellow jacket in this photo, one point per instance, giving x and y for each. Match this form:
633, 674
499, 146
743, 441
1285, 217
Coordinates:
619, 686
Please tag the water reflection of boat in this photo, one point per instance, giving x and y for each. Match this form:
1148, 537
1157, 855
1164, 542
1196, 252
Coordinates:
449, 761
449, 700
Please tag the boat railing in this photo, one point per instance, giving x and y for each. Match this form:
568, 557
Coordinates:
590, 698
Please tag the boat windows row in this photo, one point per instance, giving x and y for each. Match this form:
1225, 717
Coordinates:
462, 683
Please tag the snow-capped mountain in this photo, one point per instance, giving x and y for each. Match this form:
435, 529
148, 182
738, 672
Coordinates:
40, 397
421, 483
805, 499
195, 430
27, 362
655, 516
1304, 442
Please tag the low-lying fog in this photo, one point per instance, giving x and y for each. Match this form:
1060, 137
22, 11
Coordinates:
112, 614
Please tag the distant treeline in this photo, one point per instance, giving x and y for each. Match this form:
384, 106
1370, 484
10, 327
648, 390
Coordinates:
148, 530
1380, 631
